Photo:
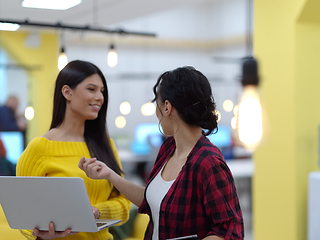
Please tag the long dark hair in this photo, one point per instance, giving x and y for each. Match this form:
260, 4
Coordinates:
189, 91
95, 133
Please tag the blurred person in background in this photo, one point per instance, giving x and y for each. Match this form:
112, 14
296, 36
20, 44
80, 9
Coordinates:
6, 167
10, 119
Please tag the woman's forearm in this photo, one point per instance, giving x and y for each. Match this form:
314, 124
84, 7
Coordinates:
213, 237
99, 170
133, 192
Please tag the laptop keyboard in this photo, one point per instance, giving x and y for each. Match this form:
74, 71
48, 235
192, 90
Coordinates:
100, 224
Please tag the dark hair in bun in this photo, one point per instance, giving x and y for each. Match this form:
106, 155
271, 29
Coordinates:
189, 91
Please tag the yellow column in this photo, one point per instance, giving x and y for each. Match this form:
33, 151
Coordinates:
41, 82
286, 44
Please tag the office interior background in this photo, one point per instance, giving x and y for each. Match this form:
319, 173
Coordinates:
212, 36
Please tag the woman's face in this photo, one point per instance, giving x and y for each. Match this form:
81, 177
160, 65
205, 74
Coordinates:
87, 98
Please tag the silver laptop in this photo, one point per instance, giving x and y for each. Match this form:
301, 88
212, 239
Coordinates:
30, 202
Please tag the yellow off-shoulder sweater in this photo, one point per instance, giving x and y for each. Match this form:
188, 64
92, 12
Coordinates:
47, 158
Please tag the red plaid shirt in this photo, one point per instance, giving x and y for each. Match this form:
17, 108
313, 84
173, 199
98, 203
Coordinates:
202, 200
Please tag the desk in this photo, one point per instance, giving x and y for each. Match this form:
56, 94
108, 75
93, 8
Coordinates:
241, 167
127, 156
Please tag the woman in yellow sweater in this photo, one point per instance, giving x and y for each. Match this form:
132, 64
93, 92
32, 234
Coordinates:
78, 129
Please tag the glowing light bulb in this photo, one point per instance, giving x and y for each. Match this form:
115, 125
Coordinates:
234, 122
125, 108
218, 113
63, 60
29, 113
250, 120
235, 110
120, 122
249, 125
228, 105
9, 26
148, 109
112, 58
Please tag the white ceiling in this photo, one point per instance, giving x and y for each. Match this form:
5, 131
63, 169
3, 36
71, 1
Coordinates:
98, 13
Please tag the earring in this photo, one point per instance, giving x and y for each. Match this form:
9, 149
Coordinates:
160, 127
161, 130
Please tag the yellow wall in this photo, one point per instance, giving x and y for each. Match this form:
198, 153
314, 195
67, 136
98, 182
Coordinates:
41, 82
41, 85
286, 42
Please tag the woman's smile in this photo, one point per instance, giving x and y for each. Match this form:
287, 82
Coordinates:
95, 107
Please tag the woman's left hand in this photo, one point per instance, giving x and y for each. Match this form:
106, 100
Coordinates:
96, 212
51, 233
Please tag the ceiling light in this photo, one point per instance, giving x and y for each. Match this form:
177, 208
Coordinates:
120, 122
148, 109
9, 26
250, 113
51, 4
63, 60
218, 113
125, 108
29, 113
235, 110
112, 58
234, 122
228, 105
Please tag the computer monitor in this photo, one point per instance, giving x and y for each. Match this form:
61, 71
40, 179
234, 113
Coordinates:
14, 144
222, 138
147, 135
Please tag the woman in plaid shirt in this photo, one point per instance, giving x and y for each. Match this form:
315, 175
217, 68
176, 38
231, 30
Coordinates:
190, 190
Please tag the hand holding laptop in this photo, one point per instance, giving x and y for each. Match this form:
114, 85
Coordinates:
96, 212
52, 233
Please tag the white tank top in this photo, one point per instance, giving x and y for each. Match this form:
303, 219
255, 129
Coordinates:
156, 191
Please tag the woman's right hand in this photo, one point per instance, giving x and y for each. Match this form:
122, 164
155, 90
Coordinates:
94, 168
51, 233
98, 170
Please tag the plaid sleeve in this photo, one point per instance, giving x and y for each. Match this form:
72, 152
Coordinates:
221, 202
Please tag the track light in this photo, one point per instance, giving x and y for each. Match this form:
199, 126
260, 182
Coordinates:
112, 59
63, 60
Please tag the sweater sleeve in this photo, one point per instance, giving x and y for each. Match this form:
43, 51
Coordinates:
117, 206
32, 163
